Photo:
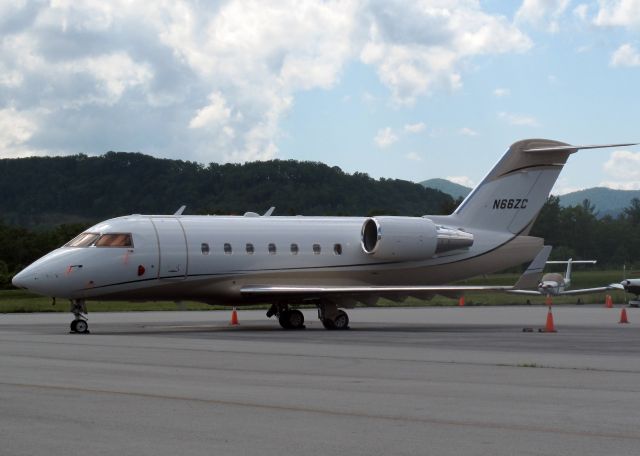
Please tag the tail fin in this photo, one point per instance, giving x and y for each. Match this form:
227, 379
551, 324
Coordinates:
569, 263
509, 198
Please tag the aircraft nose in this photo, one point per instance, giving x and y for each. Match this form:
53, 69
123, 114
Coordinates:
20, 279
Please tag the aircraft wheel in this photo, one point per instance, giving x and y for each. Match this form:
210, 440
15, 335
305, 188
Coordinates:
292, 319
82, 327
283, 319
73, 326
341, 321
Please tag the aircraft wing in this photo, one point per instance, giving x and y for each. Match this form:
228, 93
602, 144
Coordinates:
525, 292
585, 291
319, 291
391, 291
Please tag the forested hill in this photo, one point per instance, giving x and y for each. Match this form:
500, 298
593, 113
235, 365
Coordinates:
48, 191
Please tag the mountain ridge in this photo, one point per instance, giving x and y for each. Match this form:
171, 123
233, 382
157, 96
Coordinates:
607, 201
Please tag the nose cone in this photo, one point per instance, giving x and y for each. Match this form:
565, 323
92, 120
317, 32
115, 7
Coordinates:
18, 280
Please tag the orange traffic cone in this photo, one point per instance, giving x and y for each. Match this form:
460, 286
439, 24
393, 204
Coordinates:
461, 301
608, 302
234, 317
549, 327
623, 316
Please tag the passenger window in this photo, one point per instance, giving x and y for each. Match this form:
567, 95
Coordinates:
204, 247
316, 249
272, 249
83, 240
294, 249
250, 249
337, 249
227, 248
114, 240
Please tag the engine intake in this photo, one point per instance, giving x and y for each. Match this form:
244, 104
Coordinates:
410, 238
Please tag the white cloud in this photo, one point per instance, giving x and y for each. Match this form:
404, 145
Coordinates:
542, 13
562, 187
624, 13
16, 128
417, 47
413, 156
625, 55
616, 185
466, 131
216, 113
461, 180
518, 119
415, 128
212, 81
581, 11
622, 170
385, 137
501, 92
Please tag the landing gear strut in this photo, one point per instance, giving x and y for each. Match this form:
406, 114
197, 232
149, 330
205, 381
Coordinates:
332, 317
79, 310
288, 318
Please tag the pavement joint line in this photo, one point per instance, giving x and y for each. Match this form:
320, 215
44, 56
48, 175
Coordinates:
336, 357
333, 375
338, 413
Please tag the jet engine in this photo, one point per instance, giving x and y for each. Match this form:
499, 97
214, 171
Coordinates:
410, 238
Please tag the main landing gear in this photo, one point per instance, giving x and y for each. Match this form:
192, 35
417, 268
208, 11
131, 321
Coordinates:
288, 318
79, 324
332, 317
328, 313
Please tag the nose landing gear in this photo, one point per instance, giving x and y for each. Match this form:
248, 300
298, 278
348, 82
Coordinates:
79, 309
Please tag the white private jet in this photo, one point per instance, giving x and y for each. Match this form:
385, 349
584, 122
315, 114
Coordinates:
332, 262
553, 283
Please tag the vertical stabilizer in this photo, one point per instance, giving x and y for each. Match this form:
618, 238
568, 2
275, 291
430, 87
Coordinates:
530, 279
511, 195
509, 198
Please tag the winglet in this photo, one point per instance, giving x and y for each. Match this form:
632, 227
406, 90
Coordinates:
531, 277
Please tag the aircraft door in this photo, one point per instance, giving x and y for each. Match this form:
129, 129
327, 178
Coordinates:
172, 245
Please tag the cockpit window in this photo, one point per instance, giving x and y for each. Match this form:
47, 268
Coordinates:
115, 240
83, 240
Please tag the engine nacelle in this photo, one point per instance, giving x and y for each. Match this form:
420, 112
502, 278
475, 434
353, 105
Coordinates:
410, 238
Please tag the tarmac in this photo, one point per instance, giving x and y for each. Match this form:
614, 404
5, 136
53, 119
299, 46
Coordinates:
401, 381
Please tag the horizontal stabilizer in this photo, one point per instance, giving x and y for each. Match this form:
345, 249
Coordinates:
572, 262
568, 147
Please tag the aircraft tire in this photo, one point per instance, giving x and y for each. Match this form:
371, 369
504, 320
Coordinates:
82, 326
292, 319
72, 326
341, 321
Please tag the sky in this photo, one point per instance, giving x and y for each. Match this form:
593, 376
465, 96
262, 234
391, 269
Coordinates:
410, 89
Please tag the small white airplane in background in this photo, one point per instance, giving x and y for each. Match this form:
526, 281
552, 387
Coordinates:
553, 283
332, 262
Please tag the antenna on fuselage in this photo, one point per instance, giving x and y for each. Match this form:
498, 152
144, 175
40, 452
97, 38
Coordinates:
180, 211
